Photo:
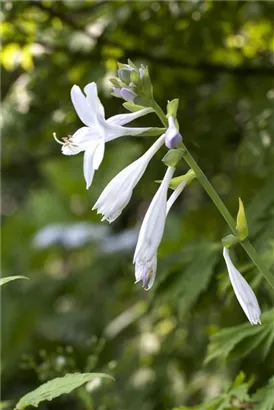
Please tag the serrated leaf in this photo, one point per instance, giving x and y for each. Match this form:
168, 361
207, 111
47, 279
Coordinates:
264, 397
223, 343
54, 388
11, 278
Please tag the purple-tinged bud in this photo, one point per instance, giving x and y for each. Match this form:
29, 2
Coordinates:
117, 92
124, 74
128, 95
172, 138
141, 72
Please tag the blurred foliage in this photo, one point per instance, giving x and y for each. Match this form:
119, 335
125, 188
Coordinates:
81, 312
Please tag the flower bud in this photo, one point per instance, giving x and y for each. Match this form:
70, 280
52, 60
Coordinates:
128, 95
141, 72
173, 138
124, 74
117, 92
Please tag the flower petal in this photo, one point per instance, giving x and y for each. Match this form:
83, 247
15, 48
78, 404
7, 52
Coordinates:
245, 295
99, 153
93, 99
70, 149
81, 106
122, 119
88, 166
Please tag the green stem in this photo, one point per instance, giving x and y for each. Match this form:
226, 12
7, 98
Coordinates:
250, 250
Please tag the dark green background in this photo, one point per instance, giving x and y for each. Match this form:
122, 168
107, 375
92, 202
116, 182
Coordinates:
217, 58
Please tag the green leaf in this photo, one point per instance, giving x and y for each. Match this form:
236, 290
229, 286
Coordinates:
54, 388
264, 397
10, 278
225, 342
241, 225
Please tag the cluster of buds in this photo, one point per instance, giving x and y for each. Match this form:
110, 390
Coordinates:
134, 86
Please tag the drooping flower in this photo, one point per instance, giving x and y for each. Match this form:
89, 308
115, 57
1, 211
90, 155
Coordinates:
118, 192
151, 233
173, 137
245, 295
97, 131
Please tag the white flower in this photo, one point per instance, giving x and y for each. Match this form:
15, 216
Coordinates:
146, 266
151, 233
118, 192
245, 295
97, 131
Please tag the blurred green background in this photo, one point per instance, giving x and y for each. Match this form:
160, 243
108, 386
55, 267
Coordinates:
185, 341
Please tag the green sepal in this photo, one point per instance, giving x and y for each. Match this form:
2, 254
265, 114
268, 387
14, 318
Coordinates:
172, 108
189, 176
152, 132
241, 225
230, 240
115, 82
132, 65
133, 107
146, 83
135, 77
121, 65
173, 157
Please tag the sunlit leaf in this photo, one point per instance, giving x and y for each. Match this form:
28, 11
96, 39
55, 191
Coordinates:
54, 388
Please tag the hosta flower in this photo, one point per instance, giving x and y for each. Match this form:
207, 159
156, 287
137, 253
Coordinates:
151, 233
118, 192
145, 270
245, 295
97, 131
173, 137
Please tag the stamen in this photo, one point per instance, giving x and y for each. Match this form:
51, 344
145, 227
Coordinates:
56, 139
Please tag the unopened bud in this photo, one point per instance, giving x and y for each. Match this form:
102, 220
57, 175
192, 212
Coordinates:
128, 95
173, 138
124, 74
117, 92
141, 72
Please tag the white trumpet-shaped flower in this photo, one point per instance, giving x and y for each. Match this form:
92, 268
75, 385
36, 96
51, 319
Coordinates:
97, 131
118, 192
151, 233
146, 270
245, 295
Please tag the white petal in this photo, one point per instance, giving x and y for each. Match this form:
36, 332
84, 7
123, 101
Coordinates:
153, 225
118, 192
70, 149
116, 131
122, 119
81, 106
245, 295
93, 99
175, 195
88, 166
99, 153
84, 136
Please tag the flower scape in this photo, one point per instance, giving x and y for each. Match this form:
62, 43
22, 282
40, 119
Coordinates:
133, 86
